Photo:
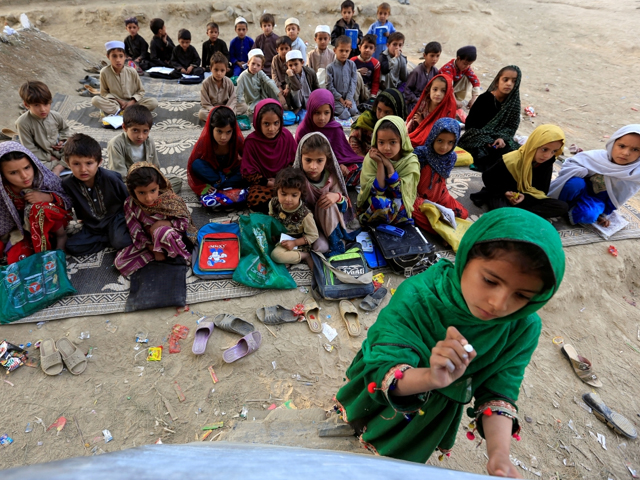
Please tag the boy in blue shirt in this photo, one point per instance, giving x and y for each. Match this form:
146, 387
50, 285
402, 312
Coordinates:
384, 10
239, 47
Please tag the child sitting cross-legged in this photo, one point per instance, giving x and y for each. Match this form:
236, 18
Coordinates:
33, 205
254, 85
185, 58
98, 195
288, 208
342, 78
326, 193
120, 86
218, 89
158, 220
301, 81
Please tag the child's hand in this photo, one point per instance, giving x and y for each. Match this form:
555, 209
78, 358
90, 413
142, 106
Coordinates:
290, 72
58, 146
182, 70
328, 199
344, 170
603, 221
342, 101
449, 360
288, 244
190, 69
499, 465
271, 182
374, 153
348, 103
471, 102
418, 117
499, 143
363, 71
514, 197
38, 197
286, 91
158, 224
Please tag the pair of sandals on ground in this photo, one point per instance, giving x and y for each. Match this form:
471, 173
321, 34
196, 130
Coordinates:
54, 356
584, 370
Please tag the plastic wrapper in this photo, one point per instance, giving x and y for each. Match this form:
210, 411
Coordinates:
12, 356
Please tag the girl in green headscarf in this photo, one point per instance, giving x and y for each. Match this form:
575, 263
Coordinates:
390, 175
408, 385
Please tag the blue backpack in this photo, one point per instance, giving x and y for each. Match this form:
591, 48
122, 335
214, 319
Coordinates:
289, 118
218, 245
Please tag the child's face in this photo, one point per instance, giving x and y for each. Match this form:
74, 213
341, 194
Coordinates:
444, 143
83, 168
366, 50
282, 51
383, 110
270, 125
547, 152
218, 71
295, 65
395, 47
388, 144
289, 198
254, 65
138, 134
494, 288
431, 59
241, 30
212, 33
383, 15
342, 52
117, 59
322, 40
292, 31
267, 29
184, 43
322, 116
147, 195
507, 82
19, 173
626, 149
313, 164
463, 64
347, 14
437, 92
222, 135
40, 110
132, 28
163, 31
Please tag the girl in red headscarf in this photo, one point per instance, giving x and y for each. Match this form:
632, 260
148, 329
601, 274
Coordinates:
437, 101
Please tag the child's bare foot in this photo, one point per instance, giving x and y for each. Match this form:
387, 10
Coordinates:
603, 221
306, 256
159, 256
61, 239
58, 169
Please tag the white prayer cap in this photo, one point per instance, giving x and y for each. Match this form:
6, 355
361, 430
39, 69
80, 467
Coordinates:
323, 29
114, 44
240, 20
294, 55
291, 21
255, 52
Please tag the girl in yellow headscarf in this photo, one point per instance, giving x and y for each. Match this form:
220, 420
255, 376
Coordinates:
522, 178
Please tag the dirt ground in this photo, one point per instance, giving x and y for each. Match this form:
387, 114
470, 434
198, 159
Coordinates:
580, 68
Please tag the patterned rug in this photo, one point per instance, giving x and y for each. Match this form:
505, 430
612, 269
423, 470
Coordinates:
170, 90
176, 129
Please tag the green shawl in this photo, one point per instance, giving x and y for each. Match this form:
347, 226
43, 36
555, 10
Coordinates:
367, 121
417, 318
408, 167
504, 125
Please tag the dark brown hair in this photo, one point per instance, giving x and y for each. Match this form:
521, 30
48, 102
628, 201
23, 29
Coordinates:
394, 37
33, 92
143, 176
267, 18
137, 114
81, 145
291, 178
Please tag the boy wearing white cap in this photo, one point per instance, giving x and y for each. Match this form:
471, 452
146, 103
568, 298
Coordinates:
239, 47
322, 55
120, 85
292, 28
301, 81
254, 85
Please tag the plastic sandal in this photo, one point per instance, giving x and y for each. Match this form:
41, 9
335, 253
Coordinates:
246, 345
350, 316
275, 315
202, 334
371, 302
312, 314
581, 366
232, 324
50, 358
614, 420
72, 356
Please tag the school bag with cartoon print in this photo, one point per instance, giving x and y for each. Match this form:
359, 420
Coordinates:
217, 252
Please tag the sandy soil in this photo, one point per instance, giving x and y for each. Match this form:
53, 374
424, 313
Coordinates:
564, 46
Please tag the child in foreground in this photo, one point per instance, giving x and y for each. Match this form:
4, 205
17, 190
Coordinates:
326, 193
185, 58
408, 385
120, 86
218, 89
34, 207
42, 131
136, 48
342, 77
288, 208
464, 79
158, 220
597, 182
98, 195
240, 47
382, 22
254, 85
390, 175
421, 75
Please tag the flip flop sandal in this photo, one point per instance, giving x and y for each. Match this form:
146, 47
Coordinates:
7, 132
246, 345
614, 420
350, 316
72, 356
312, 314
92, 90
232, 324
581, 366
86, 93
203, 332
50, 358
371, 302
89, 80
275, 315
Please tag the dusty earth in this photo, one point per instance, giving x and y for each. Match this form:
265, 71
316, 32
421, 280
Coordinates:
580, 67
